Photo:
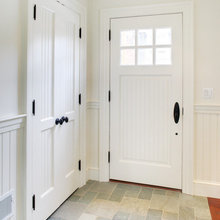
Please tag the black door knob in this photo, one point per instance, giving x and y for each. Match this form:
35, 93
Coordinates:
66, 119
59, 121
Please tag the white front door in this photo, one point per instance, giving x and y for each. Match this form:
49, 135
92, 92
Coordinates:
56, 116
146, 100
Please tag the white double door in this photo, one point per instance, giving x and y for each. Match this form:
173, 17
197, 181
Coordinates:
55, 91
146, 100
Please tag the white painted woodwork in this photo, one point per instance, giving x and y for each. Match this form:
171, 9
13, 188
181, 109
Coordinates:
207, 151
92, 141
187, 10
11, 137
143, 142
55, 90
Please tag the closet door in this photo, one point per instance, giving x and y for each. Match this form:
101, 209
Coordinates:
56, 115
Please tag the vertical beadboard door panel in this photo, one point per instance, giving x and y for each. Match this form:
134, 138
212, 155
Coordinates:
11, 141
67, 105
146, 82
44, 186
207, 151
55, 91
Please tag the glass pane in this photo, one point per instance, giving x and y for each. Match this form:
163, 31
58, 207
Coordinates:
145, 57
163, 56
164, 36
127, 57
145, 37
127, 38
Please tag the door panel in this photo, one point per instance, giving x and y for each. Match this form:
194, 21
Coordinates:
146, 82
55, 90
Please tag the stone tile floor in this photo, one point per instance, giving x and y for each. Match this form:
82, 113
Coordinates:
118, 201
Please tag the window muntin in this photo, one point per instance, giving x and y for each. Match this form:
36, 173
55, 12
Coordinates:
145, 47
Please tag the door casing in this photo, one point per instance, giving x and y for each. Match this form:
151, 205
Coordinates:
186, 8
81, 11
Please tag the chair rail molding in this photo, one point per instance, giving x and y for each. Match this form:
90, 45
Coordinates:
92, 105
207, 151
11, 151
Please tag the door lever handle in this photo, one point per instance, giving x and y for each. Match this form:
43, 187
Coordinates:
176, 113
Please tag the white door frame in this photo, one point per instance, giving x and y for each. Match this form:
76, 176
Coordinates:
82, 12
186, 9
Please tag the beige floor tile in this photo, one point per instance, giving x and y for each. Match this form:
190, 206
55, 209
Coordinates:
128, 204
203, 213
70, 210
158, 201
131, 193
154, 214
173, 193
121, 216
137, 217
186, 213
159, 191
169, 216
145, 193
193, 201
172, 205
100, 187
142, 207
103, 208
85, 216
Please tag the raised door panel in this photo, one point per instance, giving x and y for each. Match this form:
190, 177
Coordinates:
44, 175
67, 72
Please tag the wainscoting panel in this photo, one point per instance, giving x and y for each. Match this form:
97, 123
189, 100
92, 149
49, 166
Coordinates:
207, 151
11, 139
92, 144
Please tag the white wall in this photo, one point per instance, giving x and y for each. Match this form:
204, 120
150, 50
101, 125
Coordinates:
207, 47
207, 66
11, 89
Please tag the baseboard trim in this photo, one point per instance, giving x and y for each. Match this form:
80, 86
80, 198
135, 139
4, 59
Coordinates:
92, 173
207, 189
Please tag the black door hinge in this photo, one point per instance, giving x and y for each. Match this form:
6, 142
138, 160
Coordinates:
109, 96
33, 107
109, 157
80, 166
80, 33
33, 202
80, 99
35, 12
110, 35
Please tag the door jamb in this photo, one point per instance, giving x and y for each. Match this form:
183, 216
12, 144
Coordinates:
82, 12
186, 8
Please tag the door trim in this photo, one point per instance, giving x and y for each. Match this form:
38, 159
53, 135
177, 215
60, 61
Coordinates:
82, 12
186, 8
